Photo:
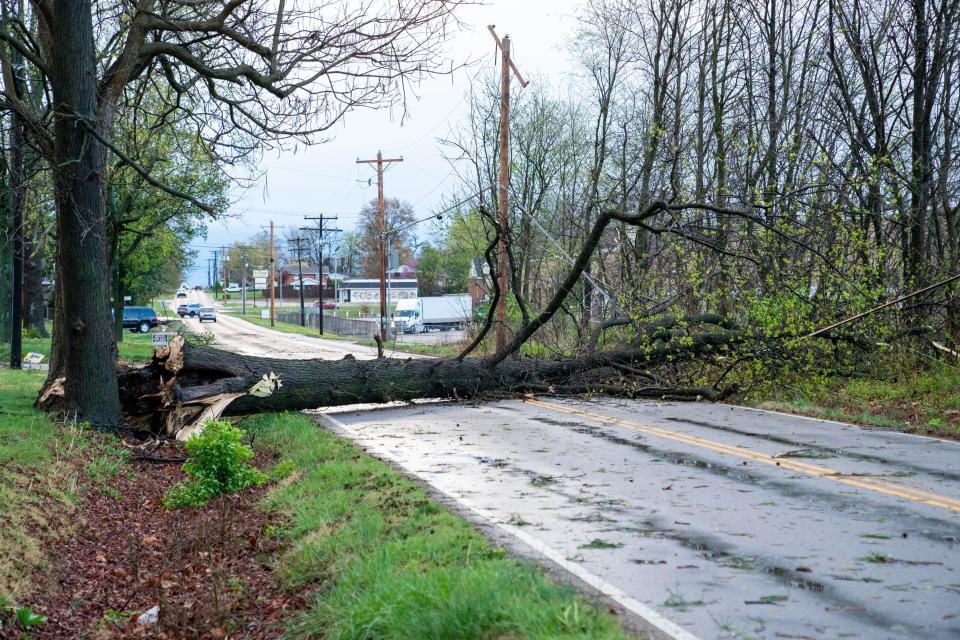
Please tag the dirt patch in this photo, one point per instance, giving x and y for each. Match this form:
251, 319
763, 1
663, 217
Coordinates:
208, 570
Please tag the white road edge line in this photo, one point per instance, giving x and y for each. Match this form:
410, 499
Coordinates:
843, 424
652, 617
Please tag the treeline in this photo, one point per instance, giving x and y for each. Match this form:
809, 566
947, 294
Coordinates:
817, 137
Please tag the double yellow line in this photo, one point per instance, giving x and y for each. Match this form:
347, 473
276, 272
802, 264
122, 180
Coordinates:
871, 484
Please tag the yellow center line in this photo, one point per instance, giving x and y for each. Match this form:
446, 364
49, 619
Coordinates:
879, 486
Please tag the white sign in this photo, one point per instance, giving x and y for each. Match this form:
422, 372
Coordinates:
260, 282
265, 314
260, 274
161, 339
127, 298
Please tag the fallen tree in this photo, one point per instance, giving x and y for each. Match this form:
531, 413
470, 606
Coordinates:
187, 384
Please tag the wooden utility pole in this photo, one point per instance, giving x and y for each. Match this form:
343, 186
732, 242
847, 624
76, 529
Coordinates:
319, 231
273, 276
226, 274
298, 247
502, 195
216, 273
382, 230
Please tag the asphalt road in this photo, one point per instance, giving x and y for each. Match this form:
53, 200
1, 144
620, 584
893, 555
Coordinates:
708, 521
244, 337
729, 522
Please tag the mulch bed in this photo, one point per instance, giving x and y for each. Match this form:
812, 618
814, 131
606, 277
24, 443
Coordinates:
208, 569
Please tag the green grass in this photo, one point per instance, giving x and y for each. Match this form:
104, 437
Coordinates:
45, 467
136, 347
916, 401
32, 489
386, 561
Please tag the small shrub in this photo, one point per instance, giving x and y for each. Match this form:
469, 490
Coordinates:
31, 333
216, 464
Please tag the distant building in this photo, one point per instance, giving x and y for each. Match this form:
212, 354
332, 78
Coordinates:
368, 289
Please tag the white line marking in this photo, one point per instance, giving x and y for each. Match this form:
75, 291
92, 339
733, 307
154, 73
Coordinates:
876, 430
654, 618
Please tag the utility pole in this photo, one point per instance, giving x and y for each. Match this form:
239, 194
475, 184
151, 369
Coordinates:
319, 231
209, 265
382, 230
243, 282
502, 219
298, 247
216, 274
16, 288
226, 279
273, 276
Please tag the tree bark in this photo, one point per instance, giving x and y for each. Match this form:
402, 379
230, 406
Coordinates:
90, 383
187, 384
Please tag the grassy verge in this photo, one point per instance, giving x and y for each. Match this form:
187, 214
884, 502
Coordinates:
389, 562
136, 347
438, 350
917, 401
37, 484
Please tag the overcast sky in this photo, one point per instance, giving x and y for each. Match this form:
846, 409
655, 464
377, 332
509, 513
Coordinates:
325, 179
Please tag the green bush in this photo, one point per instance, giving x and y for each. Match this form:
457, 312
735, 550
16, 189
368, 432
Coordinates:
216, 464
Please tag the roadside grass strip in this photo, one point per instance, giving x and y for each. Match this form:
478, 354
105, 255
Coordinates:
388, 562
35, 493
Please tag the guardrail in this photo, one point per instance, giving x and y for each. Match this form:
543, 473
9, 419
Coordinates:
353, 327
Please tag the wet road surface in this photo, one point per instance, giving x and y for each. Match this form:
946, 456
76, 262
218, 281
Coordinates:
240, 336
728, 522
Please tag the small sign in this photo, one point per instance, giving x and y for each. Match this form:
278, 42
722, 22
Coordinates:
28, 366
265, 314
33, 358
161, 339
260, 274
127, 298
260, 282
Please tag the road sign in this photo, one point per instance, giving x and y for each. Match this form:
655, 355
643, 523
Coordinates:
260, 274
161, 339
127, 298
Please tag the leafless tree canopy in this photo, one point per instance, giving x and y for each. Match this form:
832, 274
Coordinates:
803, 151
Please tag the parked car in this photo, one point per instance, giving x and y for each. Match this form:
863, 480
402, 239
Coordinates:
326, 305
189, 309
197, 288
181, 294
208, 313
140, 319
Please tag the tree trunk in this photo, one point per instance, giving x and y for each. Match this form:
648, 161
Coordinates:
34, 313
187, 384
84, 313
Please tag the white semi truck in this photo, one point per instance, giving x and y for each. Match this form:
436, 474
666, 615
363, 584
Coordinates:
419, 315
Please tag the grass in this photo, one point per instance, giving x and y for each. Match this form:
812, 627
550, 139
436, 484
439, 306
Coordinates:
915, 401
45, 467
136, 347
34, 489
386, 561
